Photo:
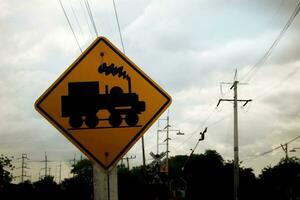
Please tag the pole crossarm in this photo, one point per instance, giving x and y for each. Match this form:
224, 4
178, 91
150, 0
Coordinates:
237, 82
127, 159
239, 100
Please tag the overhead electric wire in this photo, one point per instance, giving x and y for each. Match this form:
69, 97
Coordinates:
76, 19
196, 131
269, 151
201, 126
118, 23
218, 121
248, 76
86, 19
276, 10
91, 16
70, 25
277, 85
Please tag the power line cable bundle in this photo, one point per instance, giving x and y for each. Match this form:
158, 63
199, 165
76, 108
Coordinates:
248, 76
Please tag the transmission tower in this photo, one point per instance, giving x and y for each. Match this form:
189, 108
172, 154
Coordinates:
46, 168
23, 167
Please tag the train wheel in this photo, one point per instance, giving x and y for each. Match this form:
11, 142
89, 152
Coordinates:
132, 119
75, 121
115, 119
91, 121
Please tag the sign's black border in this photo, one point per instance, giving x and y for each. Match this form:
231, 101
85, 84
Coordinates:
102, 39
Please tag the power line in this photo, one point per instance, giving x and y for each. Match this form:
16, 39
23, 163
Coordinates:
123, 48
201, 126
213, 111
277, 85
70, 25
87, 5
117, 19
202, 135
127, 159
76, 19
86, 19
271, 150
254, 69
248, 76
218, 121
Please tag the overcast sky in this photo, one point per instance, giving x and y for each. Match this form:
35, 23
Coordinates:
187, 47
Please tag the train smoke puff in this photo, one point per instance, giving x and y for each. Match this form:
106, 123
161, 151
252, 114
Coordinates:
113, 70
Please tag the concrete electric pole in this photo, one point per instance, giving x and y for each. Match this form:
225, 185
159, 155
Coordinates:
236, 141
127, 160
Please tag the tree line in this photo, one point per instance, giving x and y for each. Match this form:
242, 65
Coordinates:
202, 176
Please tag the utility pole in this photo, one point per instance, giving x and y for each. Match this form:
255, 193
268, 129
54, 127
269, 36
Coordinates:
46, 166
236, 141
157, 142
73, 160
59, 180
167, 156
286, 150
167, 130
23, 166
143, 152
127, 160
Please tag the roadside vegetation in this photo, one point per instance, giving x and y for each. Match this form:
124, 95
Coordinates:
204, 176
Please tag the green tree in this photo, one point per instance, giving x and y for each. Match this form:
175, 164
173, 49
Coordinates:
80, 186
176, 165
5, 177
84, 169
205, 176
248, 184
281, 182
46, 188
132, 184
209, 177
5, 174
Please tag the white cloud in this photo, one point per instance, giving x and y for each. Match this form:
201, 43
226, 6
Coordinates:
188, 47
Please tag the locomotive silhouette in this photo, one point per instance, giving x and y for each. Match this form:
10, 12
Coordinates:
84, 101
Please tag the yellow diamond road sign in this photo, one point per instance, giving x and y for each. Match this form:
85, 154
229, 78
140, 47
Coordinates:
103, 103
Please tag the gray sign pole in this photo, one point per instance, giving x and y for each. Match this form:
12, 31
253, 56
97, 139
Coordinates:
105, 183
